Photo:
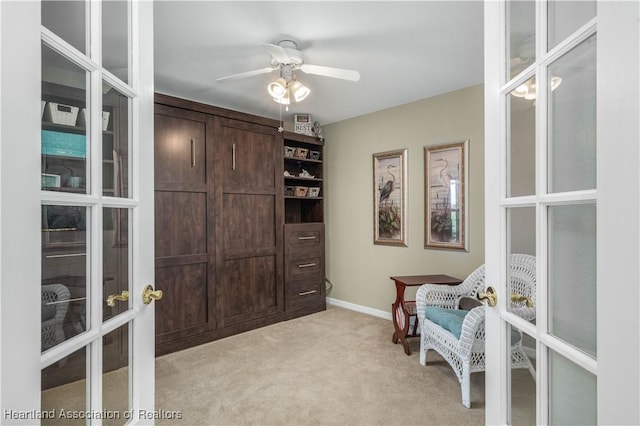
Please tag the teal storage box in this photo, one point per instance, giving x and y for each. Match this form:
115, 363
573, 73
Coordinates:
64, 144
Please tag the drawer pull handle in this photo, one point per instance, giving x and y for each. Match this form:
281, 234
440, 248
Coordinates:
306, 238
306, 265
306, 293
57, 256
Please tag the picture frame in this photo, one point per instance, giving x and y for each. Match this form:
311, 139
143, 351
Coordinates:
446, 186
389, 197
302, 124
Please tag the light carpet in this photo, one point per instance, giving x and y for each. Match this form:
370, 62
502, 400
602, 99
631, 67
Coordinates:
336, 367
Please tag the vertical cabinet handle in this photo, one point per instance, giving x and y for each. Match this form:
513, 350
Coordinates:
233, 156
193, 152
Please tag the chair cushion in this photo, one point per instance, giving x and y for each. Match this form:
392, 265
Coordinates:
449, 319
452, 319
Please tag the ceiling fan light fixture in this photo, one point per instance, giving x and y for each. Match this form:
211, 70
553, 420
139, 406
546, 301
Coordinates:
285, 99
278, 88
300, 91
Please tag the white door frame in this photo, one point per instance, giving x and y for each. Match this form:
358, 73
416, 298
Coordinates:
19, 208
20, 268
618, 217
618, 212
143, 363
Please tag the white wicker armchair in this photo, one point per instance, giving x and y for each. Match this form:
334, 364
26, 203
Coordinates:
466, 354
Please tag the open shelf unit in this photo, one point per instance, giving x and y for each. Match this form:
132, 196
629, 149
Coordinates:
303, 179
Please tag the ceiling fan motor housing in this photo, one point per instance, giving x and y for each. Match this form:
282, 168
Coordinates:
286, 72
295, 58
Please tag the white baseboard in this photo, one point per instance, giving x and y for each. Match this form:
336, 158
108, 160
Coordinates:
359, 308
530, 352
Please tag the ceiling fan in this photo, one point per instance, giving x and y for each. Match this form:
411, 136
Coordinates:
286, 57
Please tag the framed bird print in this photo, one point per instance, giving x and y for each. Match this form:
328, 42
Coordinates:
389, 197
446, 196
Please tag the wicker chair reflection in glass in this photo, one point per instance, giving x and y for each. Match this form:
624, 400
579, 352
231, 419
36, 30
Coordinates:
438, 312
55, 302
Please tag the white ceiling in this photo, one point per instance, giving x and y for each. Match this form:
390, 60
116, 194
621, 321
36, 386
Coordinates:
405, 51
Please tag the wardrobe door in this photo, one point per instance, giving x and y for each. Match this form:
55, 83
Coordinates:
182, 237
249, 219
179, 148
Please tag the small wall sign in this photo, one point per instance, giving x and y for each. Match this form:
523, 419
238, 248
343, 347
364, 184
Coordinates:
302, 124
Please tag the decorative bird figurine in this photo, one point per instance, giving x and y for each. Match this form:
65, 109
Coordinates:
387, 189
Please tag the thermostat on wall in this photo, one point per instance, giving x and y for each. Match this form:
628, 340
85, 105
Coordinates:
302, 124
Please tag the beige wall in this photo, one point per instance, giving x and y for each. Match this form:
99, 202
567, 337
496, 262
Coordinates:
360, 270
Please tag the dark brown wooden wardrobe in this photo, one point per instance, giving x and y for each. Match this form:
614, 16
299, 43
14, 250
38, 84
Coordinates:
219, 220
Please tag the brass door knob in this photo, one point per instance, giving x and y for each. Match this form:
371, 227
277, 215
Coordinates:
490, 296
515, 297
150, 294
122, 297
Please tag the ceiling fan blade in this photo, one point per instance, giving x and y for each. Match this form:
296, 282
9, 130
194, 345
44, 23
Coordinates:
277, 52
248, 74
350, 75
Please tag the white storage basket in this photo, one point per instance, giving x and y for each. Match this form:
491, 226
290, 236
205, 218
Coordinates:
61, 113
105, 119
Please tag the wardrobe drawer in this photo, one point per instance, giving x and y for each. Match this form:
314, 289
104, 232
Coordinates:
294, 254
304, 293
298, 236
304, 267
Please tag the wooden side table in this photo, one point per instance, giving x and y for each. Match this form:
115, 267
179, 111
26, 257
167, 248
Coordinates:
402, 310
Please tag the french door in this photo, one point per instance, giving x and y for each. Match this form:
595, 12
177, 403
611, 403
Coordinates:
88, 357
561, 164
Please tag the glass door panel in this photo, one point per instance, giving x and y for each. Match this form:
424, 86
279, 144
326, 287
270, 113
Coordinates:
115, 377
64, 273
522, 139
521, 275
521, 42
64, 390
565, 17
67, 19
572, 393
572, 120
521, 223
64, 127
116, 271
522, 382
572, 275
115, 142
115, 43
520, 298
